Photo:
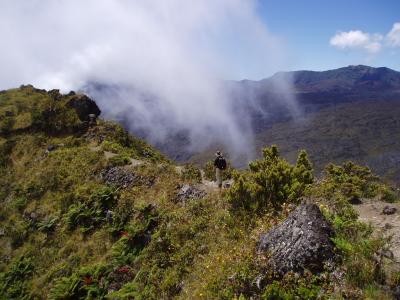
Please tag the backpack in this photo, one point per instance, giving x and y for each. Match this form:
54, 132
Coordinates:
221, 163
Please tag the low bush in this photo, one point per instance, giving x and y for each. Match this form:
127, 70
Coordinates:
387, 194
91, 213
13, 282
270, 182
191, 173
119, 160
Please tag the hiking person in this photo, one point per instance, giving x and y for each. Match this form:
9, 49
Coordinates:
220, 165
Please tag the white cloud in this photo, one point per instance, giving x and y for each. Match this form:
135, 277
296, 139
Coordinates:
393, 37
356, 39
371, 43
172, 50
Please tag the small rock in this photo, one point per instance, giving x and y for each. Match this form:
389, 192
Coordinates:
227, 185
388, 226
389, 210
188, 192
51, 148
387, 253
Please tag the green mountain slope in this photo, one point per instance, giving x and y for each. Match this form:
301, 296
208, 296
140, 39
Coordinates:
367, 133
90, 212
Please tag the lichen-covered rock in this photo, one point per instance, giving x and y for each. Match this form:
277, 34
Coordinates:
124, 178
302, 241
188, 192
84, 106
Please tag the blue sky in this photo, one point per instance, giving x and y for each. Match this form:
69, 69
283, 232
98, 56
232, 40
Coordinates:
307, 27
167, 40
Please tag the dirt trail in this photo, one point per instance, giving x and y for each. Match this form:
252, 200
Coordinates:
108, 155
370, 211
207, 185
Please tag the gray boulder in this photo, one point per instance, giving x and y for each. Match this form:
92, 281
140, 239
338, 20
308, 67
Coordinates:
302, 241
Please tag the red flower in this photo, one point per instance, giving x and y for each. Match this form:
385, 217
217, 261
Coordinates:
87, 280
124, 269
124, 233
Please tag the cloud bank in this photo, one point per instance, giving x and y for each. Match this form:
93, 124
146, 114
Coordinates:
356, 39
163, 59
370, 43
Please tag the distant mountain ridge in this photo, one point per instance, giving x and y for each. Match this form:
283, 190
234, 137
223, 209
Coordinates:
367, 98
320, 88
345, 79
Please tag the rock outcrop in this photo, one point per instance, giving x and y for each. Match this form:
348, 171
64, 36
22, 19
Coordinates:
123, 178
84, 106
302, 241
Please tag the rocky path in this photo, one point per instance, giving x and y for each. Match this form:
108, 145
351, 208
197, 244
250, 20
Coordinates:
385, 217
207, 186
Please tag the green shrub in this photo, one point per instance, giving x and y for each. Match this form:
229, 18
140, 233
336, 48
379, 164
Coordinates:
191, 173
47, 225
111, 147
6, 147
387, 194
18, 232
6, 125
355, 244
19, 203
352, 180
54, 117
13, 282
291, 288
270, 182
119, 160
91, 213
67, 288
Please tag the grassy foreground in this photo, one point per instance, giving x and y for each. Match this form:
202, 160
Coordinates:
58, 241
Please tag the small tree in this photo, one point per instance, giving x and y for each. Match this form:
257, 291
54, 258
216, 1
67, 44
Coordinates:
270, 182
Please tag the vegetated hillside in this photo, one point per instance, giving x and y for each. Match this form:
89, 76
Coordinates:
368, 133
89, 212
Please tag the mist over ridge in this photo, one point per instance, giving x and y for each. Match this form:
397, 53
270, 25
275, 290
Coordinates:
168, 61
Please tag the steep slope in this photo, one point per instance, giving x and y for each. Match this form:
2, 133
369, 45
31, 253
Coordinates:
88, 211
368, 134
